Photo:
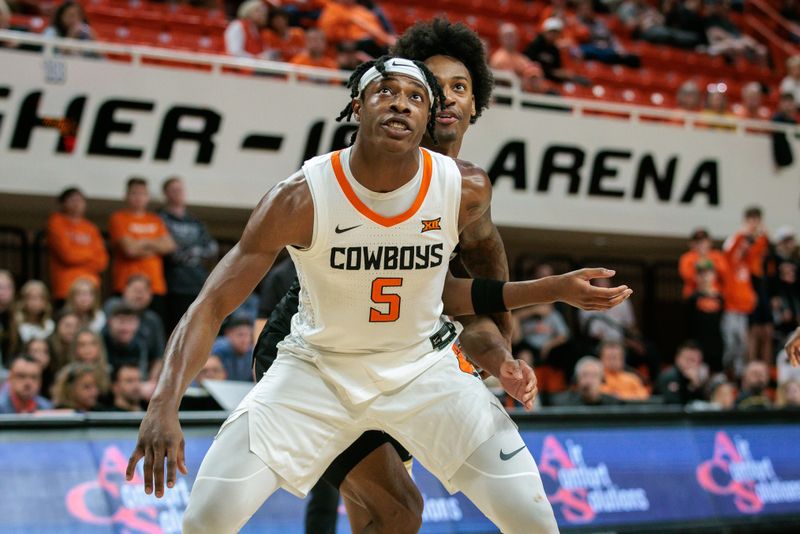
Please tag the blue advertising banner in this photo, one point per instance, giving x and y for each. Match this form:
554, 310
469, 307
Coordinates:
614, 476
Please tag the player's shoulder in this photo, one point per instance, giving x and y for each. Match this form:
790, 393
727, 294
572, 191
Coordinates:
473, 177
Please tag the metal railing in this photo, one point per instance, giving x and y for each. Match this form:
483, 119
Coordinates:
508, 91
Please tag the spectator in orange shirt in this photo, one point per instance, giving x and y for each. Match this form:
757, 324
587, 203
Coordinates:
346, 20
750, 107
701, 251
75, 246
139, 239
745, 294
314, 54
283, 40
618, 382
509, 58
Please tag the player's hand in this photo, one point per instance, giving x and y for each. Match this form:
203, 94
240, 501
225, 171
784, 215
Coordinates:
793, 348
575, 289
160, 436
519, 381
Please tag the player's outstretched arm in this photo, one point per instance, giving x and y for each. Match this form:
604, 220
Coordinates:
283, 217
573, 288
793, 348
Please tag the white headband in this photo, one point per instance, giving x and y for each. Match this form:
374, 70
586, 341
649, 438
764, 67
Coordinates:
395, 66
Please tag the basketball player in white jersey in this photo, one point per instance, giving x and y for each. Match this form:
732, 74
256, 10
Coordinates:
368, 348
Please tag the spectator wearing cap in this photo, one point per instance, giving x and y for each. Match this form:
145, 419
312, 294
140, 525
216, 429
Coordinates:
243, 35
21, 393
75, 246
685, 381
751, 105
753, 393
137, 295
782, 272
747, 295
791, 83
122, 343
617, 380
509, 58
184, 268
235, 347
140, 240
704, 315
701, 251
544, 50
588, 386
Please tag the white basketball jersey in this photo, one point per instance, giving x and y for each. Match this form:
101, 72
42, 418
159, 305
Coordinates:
371, 285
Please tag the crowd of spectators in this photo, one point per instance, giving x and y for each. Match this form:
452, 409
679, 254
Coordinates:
63, 347
340, 34
741, 304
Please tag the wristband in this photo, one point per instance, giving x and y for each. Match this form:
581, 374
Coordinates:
487, 296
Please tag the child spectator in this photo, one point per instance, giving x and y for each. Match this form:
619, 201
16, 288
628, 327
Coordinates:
701, 251
704, 315
235, 347
84, 300
60, 341
76, 388
21, 395
88, 347
746, 250
76, 248
140, 239
32, 314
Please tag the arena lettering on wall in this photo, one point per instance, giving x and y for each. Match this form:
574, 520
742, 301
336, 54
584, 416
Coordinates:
233, 137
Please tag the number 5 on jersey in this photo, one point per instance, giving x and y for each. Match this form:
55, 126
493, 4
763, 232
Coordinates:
379, 296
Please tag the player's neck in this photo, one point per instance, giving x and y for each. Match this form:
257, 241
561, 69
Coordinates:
450, 149
381, 172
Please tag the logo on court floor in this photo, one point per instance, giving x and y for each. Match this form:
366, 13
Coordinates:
733, 472
431, 224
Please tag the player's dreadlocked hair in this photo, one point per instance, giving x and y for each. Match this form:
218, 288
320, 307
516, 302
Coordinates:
442, 37
380, 65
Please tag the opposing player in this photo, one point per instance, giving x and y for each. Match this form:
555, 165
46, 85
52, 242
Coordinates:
368, 348
370, 473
